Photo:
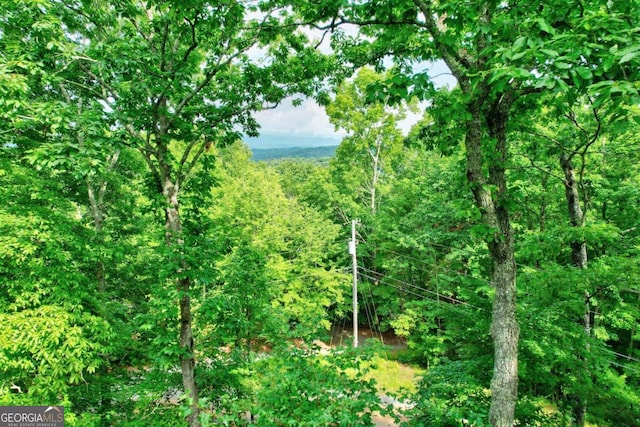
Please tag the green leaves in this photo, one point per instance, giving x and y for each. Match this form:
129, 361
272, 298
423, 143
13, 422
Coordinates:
303, 388
272, 266
46, 350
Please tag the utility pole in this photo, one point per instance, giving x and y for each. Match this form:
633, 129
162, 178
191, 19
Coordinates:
352, 251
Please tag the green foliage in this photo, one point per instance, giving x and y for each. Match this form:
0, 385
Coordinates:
46, 350
451, 395
302, 388
274, 277
309, 184
52, 333
367, 157
440, 129
106, 107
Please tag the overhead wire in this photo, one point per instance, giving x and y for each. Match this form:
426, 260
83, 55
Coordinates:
408, 291
446, 270
367, 313
637, 371
413, 289
371, 312
459, 307
429, 291
623, 355
404, 290
451, 272
375, 313
457, 304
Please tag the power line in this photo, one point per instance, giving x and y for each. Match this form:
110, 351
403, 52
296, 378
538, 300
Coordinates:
430, 267
624, 367
402, 289
623, 355
453, 306
452, 272
375, 311
437, 294
458, 307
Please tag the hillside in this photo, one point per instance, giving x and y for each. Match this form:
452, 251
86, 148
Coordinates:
260, 154
269, 141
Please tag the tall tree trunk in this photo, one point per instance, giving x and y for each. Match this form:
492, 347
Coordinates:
375, 173
504, 326
578, 259
95, 194
187, 356
96, 204
576, 216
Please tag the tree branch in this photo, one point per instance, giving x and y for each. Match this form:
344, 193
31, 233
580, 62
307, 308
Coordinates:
458, 65
101, 82
207, 79
147, 38
548, 138
186, 165
544, 171
194, 41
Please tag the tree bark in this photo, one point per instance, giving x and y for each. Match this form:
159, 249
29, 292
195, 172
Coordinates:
375, 175
96, 203
187, 356
576, 216
578, 259
504, 326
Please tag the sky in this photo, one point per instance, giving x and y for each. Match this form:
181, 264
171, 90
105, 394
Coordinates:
310, 119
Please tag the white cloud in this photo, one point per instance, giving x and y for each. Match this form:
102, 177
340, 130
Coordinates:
308, 119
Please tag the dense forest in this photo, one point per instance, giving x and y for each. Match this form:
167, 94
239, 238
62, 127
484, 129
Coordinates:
153, 274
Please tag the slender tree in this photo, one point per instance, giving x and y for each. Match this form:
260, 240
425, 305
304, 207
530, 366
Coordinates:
373, 143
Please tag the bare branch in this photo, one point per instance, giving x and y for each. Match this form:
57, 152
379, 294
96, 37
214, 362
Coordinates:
147, 151
89, 90
183, 172
583, 154
142, 34
194, 41
539, 168
186, 165
163, 46
550, 139
112, 92
571, 116
113, 160
209, 75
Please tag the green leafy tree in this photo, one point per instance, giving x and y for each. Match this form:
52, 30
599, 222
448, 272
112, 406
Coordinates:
316, 390
311, 184
571, 231
274, 263
54, 332
170, 80
496, 52
365, 164
367, 155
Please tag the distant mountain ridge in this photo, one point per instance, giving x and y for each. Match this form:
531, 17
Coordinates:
271, 141
261, 154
